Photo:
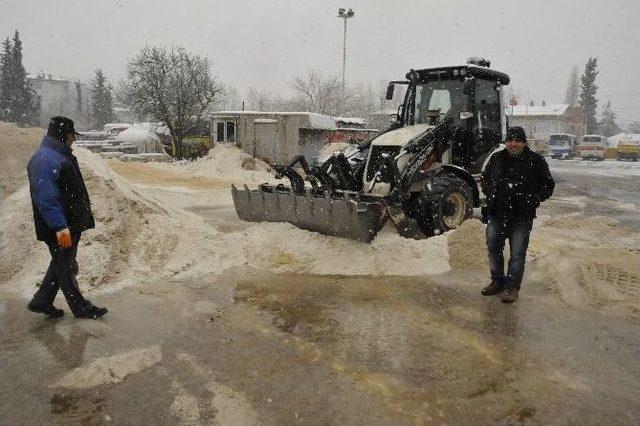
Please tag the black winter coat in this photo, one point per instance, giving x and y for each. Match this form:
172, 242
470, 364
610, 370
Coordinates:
515, 186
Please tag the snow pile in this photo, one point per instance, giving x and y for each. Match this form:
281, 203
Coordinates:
281, 247
145, 140
111, 369
153, 235
225, 161
606, 168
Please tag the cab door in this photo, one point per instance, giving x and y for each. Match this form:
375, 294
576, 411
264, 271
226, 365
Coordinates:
486, 125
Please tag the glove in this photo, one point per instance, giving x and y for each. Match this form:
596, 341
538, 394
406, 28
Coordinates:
64, 238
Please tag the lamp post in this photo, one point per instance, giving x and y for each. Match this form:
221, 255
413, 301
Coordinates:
344, 14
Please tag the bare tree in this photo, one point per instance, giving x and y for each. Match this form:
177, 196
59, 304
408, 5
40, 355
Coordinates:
319, 94
172, 86
573, 88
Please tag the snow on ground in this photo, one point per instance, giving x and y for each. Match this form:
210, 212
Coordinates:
604, 168
145, 233
225, 161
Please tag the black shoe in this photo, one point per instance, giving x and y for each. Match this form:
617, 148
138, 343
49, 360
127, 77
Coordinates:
91, 312
510, 295
496, 287
50, 311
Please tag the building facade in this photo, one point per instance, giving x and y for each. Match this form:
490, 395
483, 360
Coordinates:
63, 97
540, 122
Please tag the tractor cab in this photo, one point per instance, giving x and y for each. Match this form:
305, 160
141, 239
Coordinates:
469, 97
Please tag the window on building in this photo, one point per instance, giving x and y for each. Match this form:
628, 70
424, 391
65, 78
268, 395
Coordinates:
225, 130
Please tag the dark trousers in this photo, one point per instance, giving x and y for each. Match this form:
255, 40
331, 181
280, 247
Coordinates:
517, 232
61, 274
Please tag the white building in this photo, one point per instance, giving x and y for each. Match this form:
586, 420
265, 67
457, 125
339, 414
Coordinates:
539, 122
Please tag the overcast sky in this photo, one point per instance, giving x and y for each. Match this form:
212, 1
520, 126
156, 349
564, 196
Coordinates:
265, 43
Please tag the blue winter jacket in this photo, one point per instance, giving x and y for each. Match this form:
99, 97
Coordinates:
58, 193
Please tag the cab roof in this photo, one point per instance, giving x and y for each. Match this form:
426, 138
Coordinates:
458, 71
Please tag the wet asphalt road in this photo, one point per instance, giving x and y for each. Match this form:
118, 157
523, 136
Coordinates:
597, 194
297, 349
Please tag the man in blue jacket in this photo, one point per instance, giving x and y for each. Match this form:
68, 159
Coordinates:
515, 182
61, 212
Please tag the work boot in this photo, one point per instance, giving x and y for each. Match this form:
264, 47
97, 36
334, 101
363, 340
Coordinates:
50, 311
510, 295
90, 311
496, 287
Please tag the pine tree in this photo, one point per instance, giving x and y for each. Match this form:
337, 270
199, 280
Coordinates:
102, 103
608, 125
6, 87
588, 90
19, 101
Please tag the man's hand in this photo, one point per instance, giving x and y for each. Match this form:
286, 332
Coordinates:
64, 238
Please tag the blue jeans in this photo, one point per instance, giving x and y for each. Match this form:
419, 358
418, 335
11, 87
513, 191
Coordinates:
517, 232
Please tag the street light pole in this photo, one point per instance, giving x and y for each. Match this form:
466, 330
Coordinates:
344, 14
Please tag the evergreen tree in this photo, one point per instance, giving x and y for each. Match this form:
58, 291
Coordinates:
19, 101
102, 103
5, 79
588, 90
608, 125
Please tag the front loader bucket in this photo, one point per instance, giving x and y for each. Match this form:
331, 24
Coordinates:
345, 216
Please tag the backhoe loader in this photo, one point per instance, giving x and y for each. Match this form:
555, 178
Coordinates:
422, 173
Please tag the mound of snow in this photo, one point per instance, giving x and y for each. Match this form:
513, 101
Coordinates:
147, 234
225, 161
145, 140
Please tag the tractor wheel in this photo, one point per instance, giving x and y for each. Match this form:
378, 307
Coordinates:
444, 204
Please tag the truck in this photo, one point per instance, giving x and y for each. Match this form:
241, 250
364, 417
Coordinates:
628, 149
562, 146
422, 173
593, 147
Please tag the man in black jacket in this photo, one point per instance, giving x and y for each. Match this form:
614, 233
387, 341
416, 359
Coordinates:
61, 212
515, 182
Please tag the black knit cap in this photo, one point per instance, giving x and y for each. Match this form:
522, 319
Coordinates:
516, 132
60, 127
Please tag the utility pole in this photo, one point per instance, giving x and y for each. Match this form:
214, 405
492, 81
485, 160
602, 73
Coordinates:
344, 14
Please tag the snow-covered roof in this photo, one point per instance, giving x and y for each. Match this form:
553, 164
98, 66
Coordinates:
615, 139
350, 120
316, 121
521, 110
321, 122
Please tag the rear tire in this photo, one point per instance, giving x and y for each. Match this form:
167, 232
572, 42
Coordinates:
444, 204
